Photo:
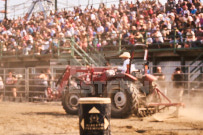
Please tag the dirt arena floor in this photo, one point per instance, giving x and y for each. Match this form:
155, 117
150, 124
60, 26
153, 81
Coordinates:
50, 119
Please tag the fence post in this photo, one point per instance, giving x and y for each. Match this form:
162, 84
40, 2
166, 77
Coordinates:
88, 44
34, 48
119, 41
52, 49
174, 43
4, 82
145, 39
58, 49
27, 83
72, 46
188, 81
1, 48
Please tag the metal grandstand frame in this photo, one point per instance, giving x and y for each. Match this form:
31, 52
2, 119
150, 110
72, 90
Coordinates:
43, 7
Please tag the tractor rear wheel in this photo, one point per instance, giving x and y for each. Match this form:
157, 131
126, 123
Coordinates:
123, 96
70, 102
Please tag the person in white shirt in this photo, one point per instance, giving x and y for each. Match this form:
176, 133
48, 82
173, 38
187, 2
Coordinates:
190, 35
158, 36
149, 39
126, 57
23, 32
45, 47
100, 29
61, 19
92, 16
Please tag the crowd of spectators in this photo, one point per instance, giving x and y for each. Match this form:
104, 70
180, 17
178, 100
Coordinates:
147, 22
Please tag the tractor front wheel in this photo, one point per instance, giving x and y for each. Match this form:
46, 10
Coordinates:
123, 96
70, 102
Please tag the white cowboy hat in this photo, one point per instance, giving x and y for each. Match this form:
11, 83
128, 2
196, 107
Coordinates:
125, 55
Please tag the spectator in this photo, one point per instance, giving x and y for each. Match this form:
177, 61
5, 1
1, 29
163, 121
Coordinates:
199, 36
198, 5
83, 39
190, 38
100, 29
22, 36
179, 9
131, 39
45, 47
43, 82
27, 48
139, 37
10, 82
171, 4
161, 80
201, 19
158, 38
159, 74
193, 10
186, 11
149, 40
50, 79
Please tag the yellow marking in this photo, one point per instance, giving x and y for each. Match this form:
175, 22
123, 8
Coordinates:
106, 123
82, 123
94, 110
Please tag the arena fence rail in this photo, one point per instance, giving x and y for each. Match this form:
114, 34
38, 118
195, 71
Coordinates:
31, 87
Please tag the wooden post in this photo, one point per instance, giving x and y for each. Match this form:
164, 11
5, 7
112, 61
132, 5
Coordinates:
27, 84
188, 81
56, 7
174, 43
183, 64
154, 61
1, 48
5, 14
58, 49
4, 78
72, 46
120, 41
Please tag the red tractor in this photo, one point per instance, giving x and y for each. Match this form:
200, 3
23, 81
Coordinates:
130, 93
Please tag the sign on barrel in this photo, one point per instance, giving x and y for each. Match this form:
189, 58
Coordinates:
94, 116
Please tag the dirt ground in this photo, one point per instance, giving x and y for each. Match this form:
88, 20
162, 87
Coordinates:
50, 119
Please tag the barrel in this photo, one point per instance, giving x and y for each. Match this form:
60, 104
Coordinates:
94, 116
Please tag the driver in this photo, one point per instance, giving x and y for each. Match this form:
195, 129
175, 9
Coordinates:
126, 57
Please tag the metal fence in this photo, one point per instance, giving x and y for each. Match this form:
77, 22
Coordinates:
28, 84
30, 87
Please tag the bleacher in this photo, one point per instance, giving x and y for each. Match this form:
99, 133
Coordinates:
66, 38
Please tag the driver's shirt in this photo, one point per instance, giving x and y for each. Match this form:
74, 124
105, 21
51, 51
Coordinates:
124, 67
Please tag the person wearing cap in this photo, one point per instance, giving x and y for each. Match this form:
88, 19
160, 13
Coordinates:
126, 57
